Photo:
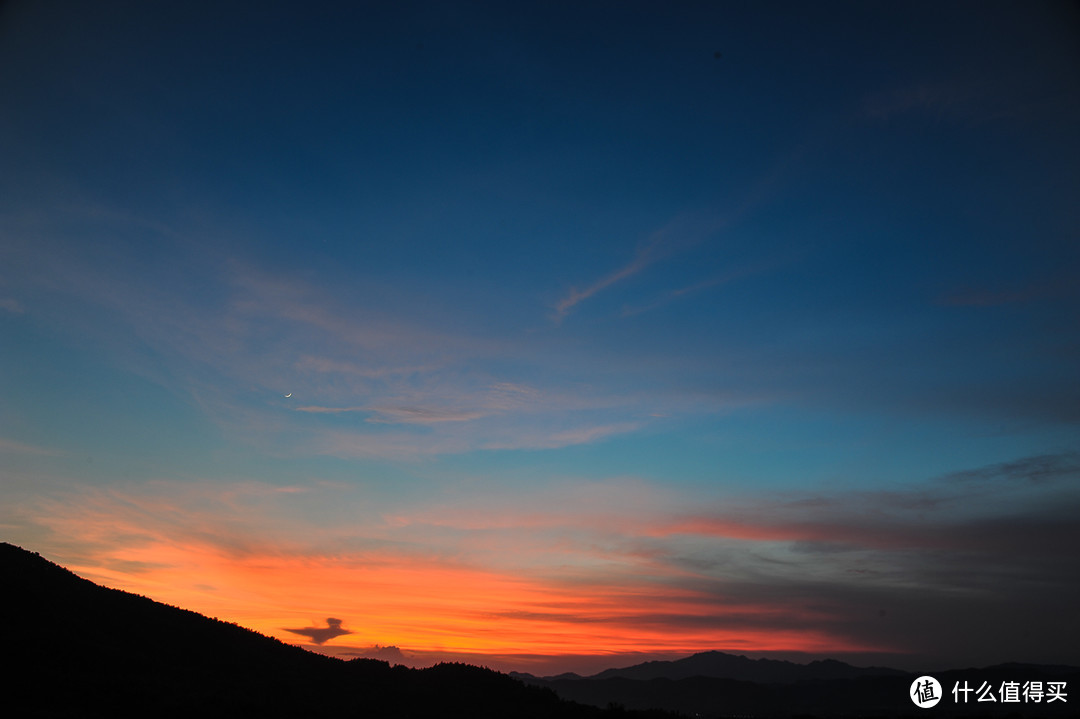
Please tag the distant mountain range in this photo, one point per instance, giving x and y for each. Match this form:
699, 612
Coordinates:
81, 650
733, 666
716, 684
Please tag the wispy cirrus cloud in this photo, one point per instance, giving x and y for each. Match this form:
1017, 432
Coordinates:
707, 284
1038, 469
587, 434
335, 366
675, 294
248, 337
488, 434
401, 415
11, 446
329, 410
422, 415
644, 257
678, 235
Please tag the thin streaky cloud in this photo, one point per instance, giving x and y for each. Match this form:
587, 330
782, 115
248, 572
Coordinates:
567, 438
330, 410
584, 435
381, 368
641, 260
10, 446
1036, 469
677, 235
715, 281
673, 295
421, 415
406, 445
329, 365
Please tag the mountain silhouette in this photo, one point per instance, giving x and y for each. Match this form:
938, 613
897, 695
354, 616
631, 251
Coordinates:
734, 666
81, 650
715, 684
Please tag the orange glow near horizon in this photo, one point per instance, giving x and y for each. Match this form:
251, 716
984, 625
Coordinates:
519, 592
430, 606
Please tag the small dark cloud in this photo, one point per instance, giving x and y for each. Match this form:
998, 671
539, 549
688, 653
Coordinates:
1037, 469
321, 635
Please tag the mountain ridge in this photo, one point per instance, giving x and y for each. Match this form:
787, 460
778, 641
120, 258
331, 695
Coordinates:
723, 665
83, 650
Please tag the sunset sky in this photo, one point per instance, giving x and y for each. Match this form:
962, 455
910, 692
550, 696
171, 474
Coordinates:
552, 336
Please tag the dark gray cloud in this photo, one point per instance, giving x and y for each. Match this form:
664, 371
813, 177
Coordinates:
321, 635
1038, 469
974, 568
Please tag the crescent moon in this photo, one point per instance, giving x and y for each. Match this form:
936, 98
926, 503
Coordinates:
289, 394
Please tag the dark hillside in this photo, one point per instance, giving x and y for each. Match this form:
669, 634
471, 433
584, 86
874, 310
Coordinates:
82, 650
733, 666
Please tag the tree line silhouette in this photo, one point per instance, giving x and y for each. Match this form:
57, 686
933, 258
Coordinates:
82, 650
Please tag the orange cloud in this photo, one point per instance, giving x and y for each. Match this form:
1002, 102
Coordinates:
516, 584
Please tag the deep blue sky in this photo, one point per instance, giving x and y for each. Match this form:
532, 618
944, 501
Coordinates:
736, 300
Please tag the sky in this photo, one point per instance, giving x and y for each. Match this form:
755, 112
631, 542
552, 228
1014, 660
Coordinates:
552, 336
